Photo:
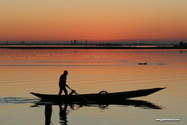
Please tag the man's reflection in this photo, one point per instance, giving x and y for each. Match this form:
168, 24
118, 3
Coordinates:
63, 114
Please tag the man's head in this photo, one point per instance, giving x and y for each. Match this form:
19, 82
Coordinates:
65, 72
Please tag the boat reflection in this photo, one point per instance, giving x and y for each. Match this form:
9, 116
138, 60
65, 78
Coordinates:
127, 102
63, 107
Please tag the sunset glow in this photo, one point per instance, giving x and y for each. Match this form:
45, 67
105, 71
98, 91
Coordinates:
67, 20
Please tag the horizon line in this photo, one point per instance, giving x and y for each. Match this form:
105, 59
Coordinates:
103, 41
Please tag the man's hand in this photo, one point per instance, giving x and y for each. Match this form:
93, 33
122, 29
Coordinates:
73, 91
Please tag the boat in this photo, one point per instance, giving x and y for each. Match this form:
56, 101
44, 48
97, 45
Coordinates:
102, 96
142, 63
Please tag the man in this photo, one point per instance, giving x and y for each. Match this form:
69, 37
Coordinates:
62, 83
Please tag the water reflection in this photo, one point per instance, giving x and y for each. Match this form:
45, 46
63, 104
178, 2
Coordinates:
63, 114
63, 107
48, 113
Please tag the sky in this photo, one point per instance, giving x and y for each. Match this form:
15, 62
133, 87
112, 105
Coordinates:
93, 20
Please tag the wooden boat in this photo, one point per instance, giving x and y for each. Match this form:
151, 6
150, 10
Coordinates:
102, 96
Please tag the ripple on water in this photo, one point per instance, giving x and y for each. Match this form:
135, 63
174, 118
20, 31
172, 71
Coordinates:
16, 100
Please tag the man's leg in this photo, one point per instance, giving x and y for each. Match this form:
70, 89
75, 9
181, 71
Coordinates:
60, 90
65, 91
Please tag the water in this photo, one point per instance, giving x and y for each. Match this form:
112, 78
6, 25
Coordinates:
90, 71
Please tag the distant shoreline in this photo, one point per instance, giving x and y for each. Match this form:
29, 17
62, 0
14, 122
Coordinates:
91, 46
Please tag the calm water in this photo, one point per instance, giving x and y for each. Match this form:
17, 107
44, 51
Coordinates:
90, 71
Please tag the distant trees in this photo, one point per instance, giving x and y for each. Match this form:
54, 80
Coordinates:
182, 45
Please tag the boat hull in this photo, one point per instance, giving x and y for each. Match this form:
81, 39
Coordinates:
97, 97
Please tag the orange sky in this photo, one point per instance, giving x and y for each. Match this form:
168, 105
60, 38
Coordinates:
60, 20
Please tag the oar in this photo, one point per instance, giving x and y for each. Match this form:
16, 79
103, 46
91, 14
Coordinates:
79, 95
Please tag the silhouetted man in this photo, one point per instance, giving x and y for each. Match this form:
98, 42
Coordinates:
62, 83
